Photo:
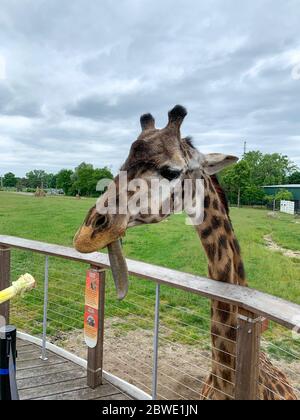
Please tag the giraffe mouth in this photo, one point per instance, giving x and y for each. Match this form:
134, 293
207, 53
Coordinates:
87, 240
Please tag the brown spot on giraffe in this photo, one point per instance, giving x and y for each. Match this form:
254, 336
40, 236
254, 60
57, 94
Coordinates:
227, 375
231, 334
215, 331
206, 201
236, 246
216, 204
223, 312
207, 232
227, 227
216, 222
224, 356
225, 274
223, 241
211, 250
241, 271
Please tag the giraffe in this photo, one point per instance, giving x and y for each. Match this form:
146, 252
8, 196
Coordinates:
164, 154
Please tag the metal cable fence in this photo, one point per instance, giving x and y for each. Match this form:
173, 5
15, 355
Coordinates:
283, 349
173, 364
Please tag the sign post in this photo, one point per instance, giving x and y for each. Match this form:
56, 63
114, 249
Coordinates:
94, 324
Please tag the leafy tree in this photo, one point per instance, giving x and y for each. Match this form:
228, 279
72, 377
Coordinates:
294, 178
9, 180
284, 195
86, 178
244, 181
83, 179
50, 181
36, 178
269, 199
236, 179
254, 158
253, 194
64, 180
269, 168
276, 168
22, 183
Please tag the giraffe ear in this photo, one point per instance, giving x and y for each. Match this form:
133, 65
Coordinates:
216, 162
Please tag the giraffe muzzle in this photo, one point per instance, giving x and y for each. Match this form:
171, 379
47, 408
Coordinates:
97, 233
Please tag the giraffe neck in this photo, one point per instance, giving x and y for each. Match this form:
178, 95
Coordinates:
225, 265
218, 239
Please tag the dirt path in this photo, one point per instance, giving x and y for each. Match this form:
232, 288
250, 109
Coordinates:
182, 368
273, 246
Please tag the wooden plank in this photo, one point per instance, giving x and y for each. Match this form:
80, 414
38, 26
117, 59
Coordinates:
95, 355
27, 349
283, 312
22, 344
116, 397
32, 355
57, 379
53, 389
44, 370
52, 378
4, 279
104, 391
248, 356
29, 364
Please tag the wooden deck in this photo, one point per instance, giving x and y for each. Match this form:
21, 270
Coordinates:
57, 378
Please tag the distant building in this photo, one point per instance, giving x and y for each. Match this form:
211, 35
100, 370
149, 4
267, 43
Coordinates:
293, 188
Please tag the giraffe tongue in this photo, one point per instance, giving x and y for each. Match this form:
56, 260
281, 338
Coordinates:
119, 268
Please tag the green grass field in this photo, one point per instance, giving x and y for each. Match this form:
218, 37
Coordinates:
171, 244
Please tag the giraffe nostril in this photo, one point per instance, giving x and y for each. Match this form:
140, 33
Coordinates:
101, 222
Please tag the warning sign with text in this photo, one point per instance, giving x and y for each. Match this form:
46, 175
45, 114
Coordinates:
91, 317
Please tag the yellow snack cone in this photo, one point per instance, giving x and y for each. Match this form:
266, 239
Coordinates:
22, 285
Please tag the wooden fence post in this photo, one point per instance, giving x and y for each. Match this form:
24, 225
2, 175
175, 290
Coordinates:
95, 355
4, 279
248, 357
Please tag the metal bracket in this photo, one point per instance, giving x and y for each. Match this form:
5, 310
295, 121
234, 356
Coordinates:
98, 269
251, 320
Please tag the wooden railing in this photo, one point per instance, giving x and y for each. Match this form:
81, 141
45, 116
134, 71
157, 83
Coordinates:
257, 304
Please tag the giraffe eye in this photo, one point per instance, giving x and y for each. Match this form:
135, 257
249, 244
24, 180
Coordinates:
170, 173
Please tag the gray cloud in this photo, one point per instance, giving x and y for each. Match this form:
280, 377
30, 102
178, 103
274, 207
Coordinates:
79, 74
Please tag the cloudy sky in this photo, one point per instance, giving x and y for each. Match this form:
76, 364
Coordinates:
76, 75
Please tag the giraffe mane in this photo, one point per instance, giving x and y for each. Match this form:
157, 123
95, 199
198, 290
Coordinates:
189, 142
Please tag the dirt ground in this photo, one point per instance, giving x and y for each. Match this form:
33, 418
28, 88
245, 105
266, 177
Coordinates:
273, 246
182, 368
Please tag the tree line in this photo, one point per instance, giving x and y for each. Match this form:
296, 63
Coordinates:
242, 182
83, 180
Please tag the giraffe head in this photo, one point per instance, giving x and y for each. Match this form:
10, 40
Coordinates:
160, 154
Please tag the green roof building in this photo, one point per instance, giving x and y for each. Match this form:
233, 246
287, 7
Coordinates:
293, 188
